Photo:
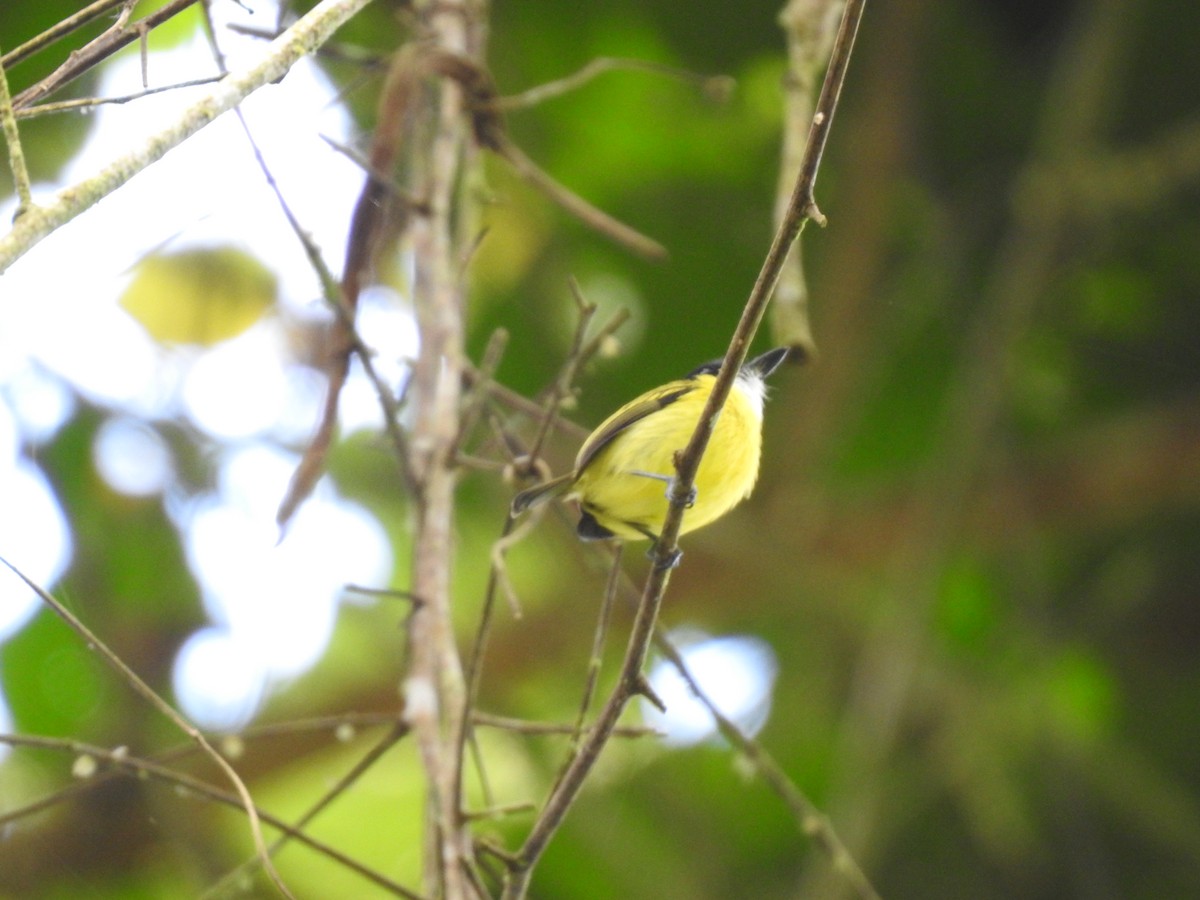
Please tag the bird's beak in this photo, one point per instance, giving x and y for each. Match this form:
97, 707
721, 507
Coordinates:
767, 363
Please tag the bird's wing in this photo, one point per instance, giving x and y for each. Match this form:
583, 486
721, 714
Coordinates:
623, 418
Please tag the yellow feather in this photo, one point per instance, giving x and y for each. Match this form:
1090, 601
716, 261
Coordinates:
630, 504
622, 472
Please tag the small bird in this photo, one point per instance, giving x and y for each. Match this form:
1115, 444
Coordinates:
619, 472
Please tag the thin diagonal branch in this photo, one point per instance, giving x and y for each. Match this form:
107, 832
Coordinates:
58, 31
812, 822
86, 103
631, 681
120, 35
716, 86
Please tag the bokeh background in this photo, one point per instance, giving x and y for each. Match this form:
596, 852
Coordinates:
961, 606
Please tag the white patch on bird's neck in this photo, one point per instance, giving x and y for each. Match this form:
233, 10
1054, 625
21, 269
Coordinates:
753, 388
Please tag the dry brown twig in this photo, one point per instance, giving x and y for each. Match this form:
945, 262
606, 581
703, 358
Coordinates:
374, 218
487, 122
812, 822
597, 656
58, 31
336, 724
120, 34
521, 726
512, 532
717, 87
376, 221
478, 389
64, 106
561, 387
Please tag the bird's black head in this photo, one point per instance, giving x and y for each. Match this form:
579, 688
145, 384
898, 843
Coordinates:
762, 365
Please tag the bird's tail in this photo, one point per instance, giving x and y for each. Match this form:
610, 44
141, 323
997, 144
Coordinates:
540, 493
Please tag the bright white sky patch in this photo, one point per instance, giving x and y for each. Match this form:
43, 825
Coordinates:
219, 679
132, 457
103, 353
388, 327
40, 403
33, 537
736, 673
237, 388
279, 597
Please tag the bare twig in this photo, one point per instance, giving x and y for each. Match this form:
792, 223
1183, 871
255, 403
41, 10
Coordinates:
592, 216
520, 403
500, 395
345, 338
58, 31
121, 34
487, 123
16, 157
561, 386
358, 56
479, 391
497, 579
822, 121
597, 657
46, 109
538, 409
380, 178
341, 725
603, 336
499, 812
716, 86
373, 219
812, 822
512, 532
801, 208
521, 726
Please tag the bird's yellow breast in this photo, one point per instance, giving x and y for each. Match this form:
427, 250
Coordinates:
630, 504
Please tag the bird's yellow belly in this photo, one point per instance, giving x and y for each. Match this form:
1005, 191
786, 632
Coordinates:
630, 504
